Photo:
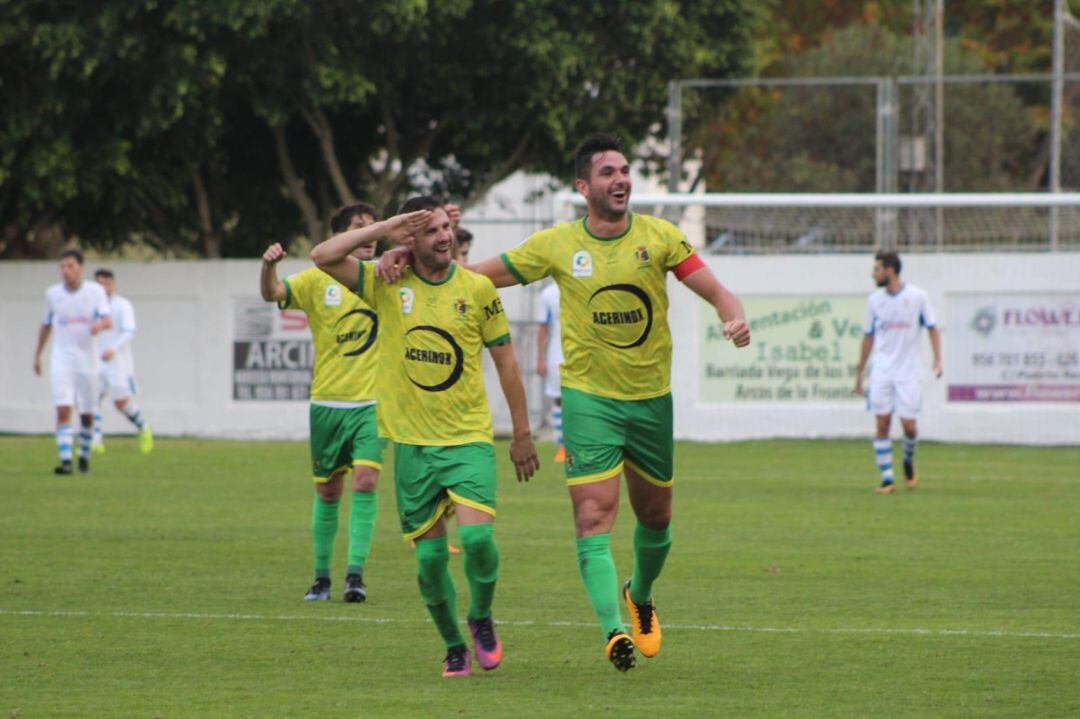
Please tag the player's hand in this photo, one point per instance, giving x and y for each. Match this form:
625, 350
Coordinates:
938, 369
274, 254
454, 213
96, 328
858, 385
738, 332
392, 264
108, 354
37, 366
523, 455
402, 229
541, 368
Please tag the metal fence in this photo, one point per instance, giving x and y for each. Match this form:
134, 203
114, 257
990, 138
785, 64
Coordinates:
870, 135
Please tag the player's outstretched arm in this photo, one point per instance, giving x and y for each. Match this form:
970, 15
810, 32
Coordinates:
43, 337
728, 307
272, 288
393, 263
522, 450
333, 256
496, 270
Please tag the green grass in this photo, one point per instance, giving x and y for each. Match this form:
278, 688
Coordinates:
184, 572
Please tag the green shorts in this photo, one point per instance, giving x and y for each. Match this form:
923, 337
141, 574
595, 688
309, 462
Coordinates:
429, 480
342, 438
601, 434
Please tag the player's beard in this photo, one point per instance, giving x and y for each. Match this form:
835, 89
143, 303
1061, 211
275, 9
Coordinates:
431, 260
606, 212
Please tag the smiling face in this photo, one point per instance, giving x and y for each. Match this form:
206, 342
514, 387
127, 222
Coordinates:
434, 245
607, 191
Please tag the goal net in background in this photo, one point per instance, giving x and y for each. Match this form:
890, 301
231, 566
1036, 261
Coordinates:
820, 223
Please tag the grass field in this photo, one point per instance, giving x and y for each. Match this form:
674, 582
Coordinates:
171, 587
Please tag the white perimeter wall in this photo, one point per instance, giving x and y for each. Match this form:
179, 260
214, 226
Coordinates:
183, 351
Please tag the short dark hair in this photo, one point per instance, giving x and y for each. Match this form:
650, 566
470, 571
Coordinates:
889, 259
462, 235
597, 142
74, 252
104, 272
343, 216
420, 202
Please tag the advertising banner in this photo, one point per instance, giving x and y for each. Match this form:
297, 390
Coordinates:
804, 348
272, 352
1013, 348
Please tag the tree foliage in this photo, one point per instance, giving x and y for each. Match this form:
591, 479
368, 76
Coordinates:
211, 127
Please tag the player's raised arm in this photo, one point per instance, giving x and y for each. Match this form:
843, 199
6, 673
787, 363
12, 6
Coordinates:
333, 255
522, 450
270, 286
728, 307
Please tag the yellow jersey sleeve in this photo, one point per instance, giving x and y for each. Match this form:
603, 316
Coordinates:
531, 260
676, 246
297, 292
495, 328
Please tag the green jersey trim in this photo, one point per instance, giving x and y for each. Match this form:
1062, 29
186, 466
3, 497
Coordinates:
624, 233
436, 283
288, 295
500, 340
513, 270
360, 280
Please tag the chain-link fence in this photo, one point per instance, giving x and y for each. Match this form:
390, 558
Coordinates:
870, 134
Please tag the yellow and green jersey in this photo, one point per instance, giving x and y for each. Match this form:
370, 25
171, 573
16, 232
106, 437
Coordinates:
343, 329
613, 301
431, 338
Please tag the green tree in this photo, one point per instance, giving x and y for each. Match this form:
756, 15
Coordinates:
211, 127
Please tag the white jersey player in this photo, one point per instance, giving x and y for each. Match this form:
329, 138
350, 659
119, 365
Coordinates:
549, 357
895, 317
118, 366
76, 311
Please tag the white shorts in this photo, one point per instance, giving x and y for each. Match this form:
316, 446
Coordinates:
551, 383
904, 398
117, 380
75, 389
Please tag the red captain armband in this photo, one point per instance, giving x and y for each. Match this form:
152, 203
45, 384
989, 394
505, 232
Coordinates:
687, 267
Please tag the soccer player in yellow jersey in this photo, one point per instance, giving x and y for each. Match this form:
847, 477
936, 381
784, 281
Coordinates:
344, 431
434, 325
611, 268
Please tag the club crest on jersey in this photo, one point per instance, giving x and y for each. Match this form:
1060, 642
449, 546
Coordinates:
332, 298
581, 265
642, 254
461, 307
407, 297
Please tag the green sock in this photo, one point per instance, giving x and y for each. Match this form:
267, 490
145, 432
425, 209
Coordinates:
651, 548
437, 588
324, 519
481, 567
601, 583
365, 506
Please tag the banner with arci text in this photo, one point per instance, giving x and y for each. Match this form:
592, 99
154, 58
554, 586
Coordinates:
272, 352
804, 348
1006, 347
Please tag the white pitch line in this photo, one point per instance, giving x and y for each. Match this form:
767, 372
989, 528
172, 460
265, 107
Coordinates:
918, 631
